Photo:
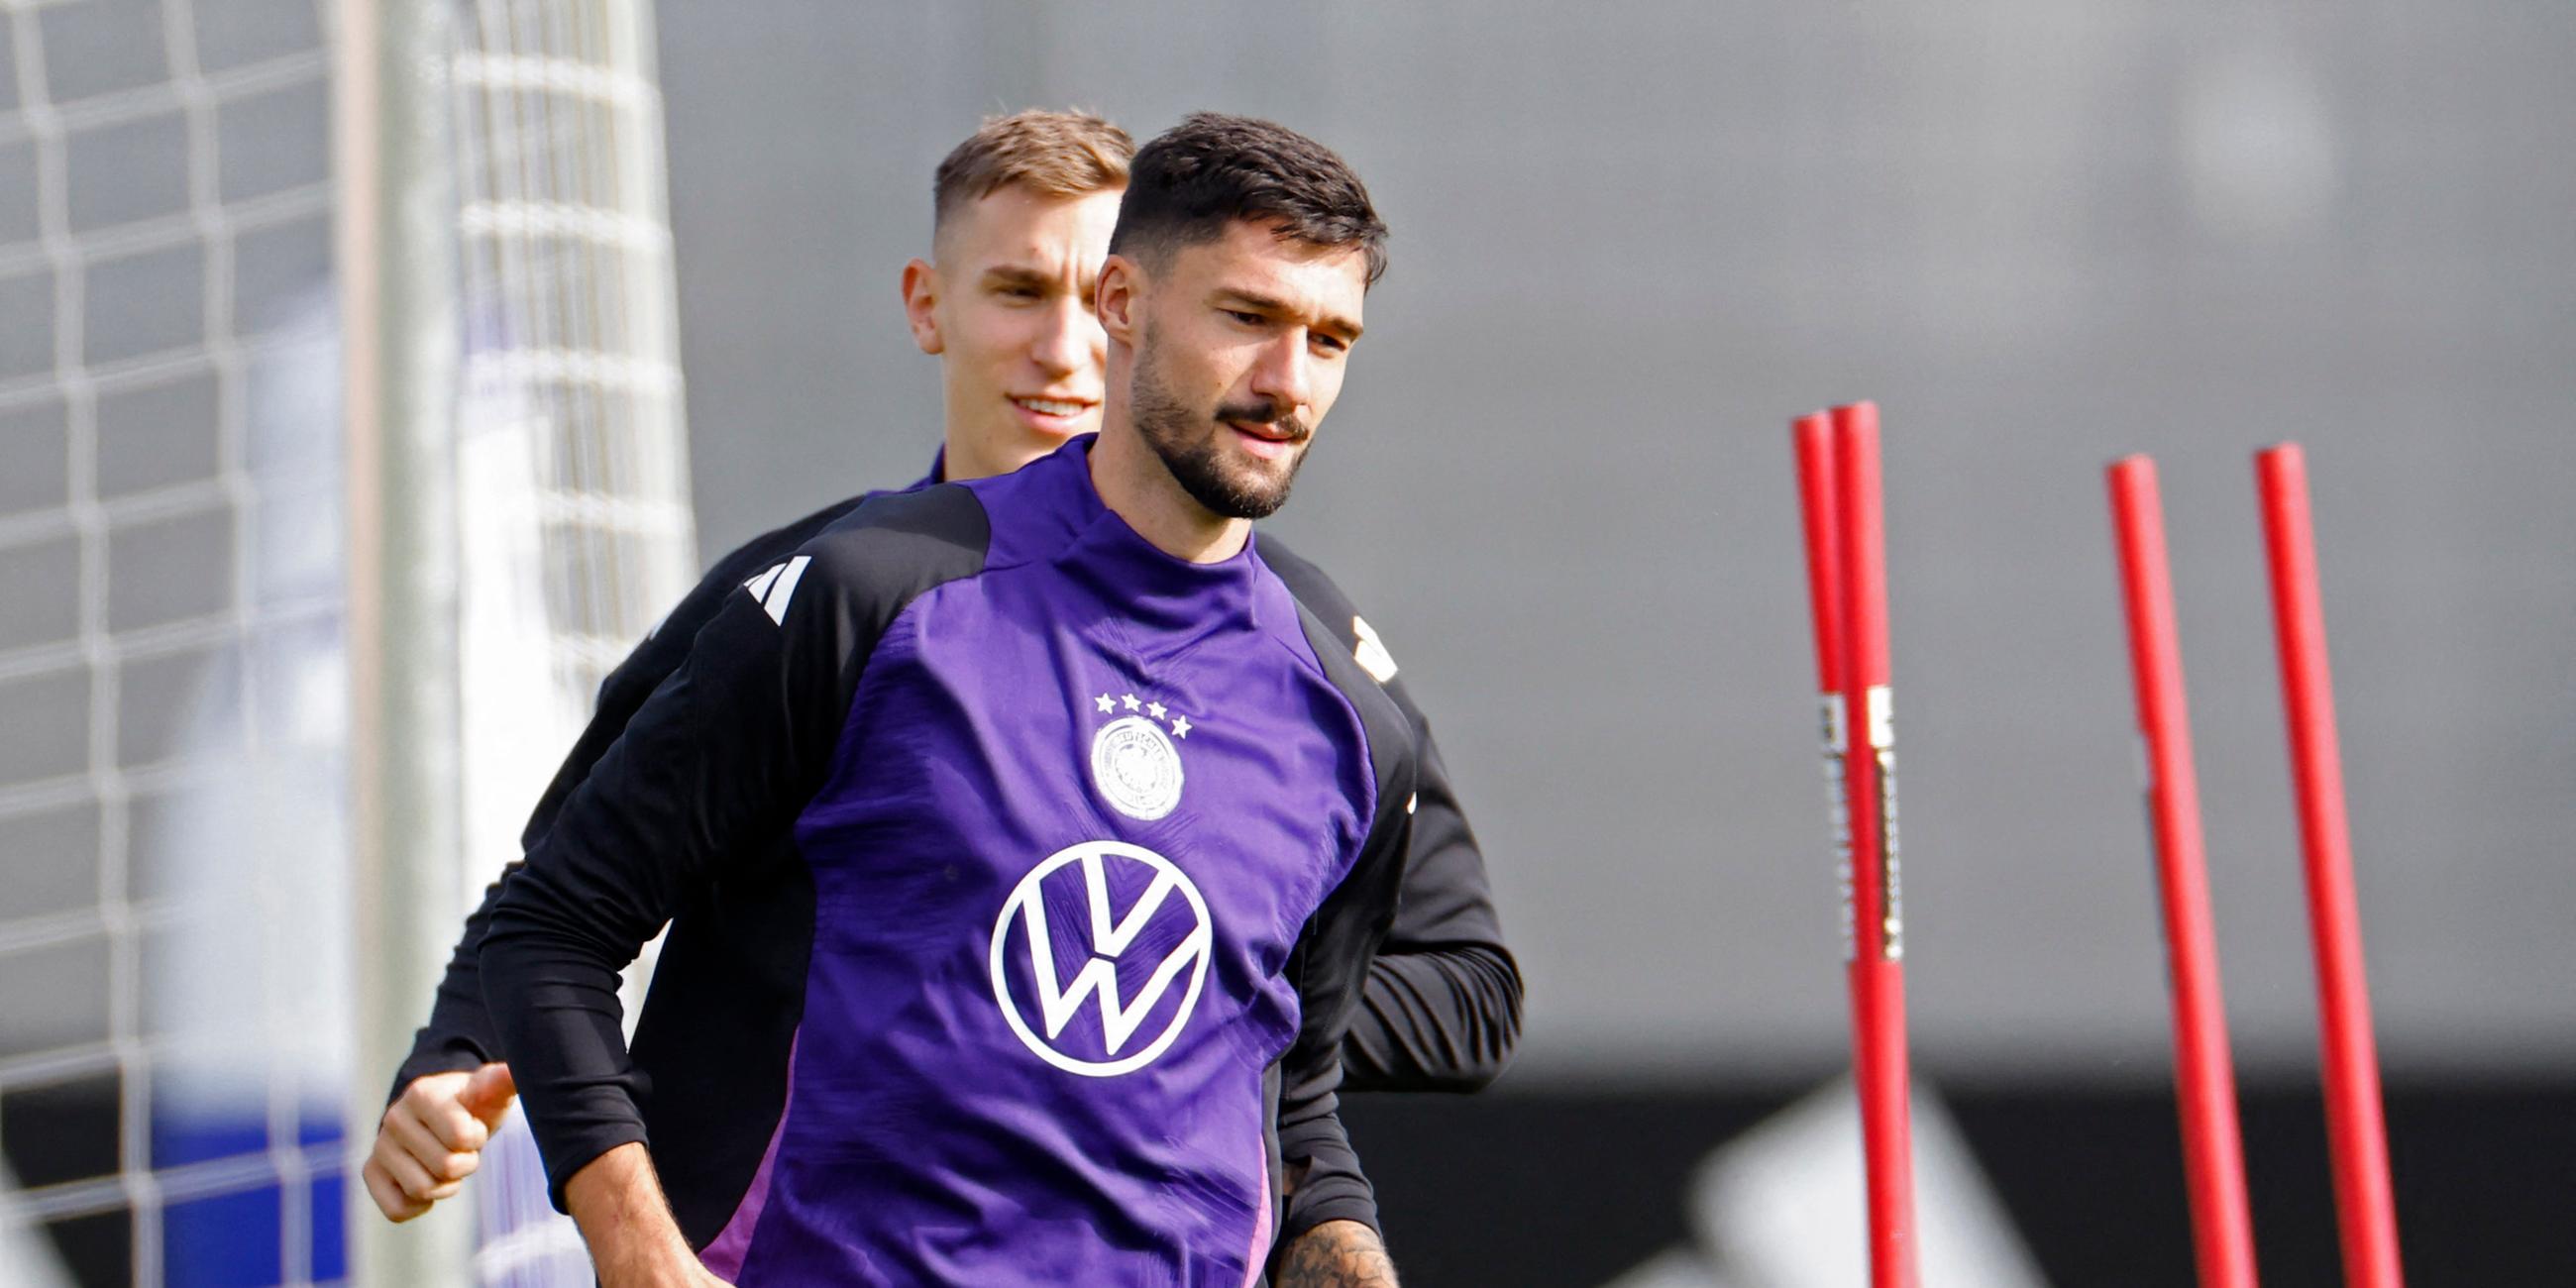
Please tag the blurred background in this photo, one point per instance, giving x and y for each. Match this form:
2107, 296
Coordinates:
1629, 244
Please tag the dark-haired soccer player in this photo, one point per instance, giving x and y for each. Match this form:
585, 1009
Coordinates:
1025, 843
1024, 210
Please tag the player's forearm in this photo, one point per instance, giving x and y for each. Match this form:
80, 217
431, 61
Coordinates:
557, 1019
553, 1000
1439, 1019
1324, 1184
634, 1242
459, 1036
1337, 1254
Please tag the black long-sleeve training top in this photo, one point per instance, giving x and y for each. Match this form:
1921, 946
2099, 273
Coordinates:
1022, 881
1442, 1006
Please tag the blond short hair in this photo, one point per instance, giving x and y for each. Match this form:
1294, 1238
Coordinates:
1058, 154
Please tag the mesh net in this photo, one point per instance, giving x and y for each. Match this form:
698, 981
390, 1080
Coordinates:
574, 464
169, 1068
174, 1026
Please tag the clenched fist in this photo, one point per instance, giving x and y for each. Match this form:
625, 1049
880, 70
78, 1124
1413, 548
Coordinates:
432, 1136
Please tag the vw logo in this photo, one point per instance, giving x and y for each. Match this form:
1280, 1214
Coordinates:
1164, 934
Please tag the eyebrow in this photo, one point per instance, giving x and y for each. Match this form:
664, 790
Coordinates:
1016, 275
1333, 324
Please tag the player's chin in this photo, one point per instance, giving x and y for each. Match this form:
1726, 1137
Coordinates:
1262, 487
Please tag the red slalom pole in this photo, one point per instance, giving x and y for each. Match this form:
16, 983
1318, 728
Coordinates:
2213, 1150
1812, 437
1874, 947
2365, 1206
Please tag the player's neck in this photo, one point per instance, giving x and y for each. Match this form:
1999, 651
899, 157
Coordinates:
961, 458
1137, 487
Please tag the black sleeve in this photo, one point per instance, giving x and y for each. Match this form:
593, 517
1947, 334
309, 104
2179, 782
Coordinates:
459, 1033
1331, 963
706, 777
1442, 1009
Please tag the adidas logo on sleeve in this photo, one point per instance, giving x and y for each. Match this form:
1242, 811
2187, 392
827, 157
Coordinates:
778, 585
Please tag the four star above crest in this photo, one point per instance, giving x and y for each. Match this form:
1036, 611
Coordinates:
1109, 706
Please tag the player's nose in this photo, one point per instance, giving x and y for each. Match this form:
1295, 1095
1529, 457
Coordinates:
1069, 340
1285, 374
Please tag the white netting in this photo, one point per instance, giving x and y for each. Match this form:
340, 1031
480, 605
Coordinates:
174, 1053
170, 1053
571, 343
574, 464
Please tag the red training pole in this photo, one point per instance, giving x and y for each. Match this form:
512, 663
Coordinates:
1876, 950
2213, 1151
1812, 437
2365, 1206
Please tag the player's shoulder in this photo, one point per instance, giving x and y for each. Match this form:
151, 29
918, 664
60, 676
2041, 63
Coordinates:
778, 543
864, 566
669, 640
1309, 583
898, 542
1318, 594
1324, 645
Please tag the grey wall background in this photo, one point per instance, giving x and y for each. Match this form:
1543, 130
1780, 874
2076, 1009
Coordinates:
1630, 242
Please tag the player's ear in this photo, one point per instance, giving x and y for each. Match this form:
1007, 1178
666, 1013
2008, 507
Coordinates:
921, 305
1114, 298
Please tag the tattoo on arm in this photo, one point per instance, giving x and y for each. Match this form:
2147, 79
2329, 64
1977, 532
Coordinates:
1337, 1254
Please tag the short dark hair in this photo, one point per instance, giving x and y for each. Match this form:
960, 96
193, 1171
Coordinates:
1056, 154
1193, 179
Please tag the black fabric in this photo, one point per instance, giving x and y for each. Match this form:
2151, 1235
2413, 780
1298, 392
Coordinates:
1442, 1010
1330, 964
685, 819
459, 1034
1438, 1009
1443, 1007
722, 1012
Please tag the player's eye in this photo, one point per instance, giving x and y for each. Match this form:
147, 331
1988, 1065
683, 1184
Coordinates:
1021, 292
1247, 319
1331, 344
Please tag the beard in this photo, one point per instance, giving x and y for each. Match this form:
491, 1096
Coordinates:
1192, 446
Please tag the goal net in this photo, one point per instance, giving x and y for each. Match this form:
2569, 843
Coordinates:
573, 468
180, 1041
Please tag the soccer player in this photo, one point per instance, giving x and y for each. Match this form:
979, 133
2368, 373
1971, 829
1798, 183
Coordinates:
1024, 208
1023, 214
1024, 842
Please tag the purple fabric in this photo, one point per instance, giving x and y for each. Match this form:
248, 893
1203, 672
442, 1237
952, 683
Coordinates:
969, 1109
1261, 1228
